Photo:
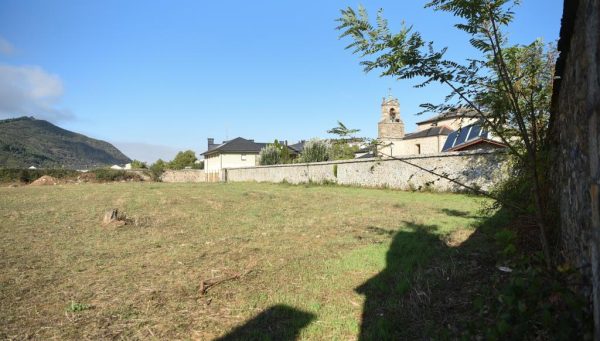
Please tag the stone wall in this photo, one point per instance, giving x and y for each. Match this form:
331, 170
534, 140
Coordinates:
576, 129
392, 130
478, 169
183, 175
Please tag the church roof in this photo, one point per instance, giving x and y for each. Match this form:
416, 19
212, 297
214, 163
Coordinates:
433, 131
456, 113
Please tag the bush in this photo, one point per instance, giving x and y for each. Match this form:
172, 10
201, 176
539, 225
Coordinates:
137, 164
157, 168
103, 174
316, 150
198, 165
30, 175
269, 155
341, 150
536, 304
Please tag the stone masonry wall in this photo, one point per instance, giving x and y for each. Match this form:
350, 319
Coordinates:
478, 169
183, 175
576, 127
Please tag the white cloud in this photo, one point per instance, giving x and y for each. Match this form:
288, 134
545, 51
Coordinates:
31, 91
6, 48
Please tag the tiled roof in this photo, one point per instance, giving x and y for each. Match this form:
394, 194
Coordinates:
433, 131
237, 145
457, 113
298, 147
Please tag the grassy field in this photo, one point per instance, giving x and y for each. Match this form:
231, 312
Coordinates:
284, 262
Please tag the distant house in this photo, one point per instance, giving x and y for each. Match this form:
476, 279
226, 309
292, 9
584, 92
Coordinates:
297, 148
239, 152
117, 167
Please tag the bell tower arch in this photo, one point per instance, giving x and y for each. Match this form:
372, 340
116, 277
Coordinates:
390, 124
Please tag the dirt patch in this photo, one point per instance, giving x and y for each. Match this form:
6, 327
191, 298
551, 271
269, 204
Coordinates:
457, 237
118, 218
45, 180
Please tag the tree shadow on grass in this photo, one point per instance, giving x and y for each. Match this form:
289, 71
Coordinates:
459, 213
427, 288
279, 322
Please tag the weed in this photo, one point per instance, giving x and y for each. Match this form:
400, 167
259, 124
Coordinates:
75, 307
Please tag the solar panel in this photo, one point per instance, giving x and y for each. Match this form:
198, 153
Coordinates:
450, 141
465, 134
475, 131
462, 135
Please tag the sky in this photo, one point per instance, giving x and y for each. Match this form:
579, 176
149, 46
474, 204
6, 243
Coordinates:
156, 77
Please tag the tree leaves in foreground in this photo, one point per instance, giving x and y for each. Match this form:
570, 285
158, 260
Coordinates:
507, 87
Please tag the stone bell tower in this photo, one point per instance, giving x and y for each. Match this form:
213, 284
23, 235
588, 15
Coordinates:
390, 125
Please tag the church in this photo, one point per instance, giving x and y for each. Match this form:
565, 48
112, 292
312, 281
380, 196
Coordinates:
455, 130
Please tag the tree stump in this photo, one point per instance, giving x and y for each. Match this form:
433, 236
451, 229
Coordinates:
111, 216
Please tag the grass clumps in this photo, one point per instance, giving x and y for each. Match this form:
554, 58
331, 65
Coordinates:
343, 262
76, 307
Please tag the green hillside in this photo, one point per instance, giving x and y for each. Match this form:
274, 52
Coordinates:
26, 142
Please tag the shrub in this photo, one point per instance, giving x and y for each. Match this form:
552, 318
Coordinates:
341, 150
198, 165
270, 155
104, 174
30, 175
157, 168
316, 150
137, 164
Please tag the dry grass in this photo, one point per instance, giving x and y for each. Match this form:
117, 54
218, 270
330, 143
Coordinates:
63, 275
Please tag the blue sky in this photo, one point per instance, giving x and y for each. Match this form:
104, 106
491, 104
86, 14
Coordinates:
154, 77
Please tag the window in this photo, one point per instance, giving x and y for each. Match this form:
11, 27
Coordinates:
243, 157
418, 148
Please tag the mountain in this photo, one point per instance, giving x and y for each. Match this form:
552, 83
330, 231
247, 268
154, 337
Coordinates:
26, 142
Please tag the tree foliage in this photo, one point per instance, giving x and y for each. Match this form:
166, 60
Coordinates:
341, 150
269, 155
343, 132
508, 87
341, 147
137, 164
316, 150
274, 154
157, 168
182, 160
198, 164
